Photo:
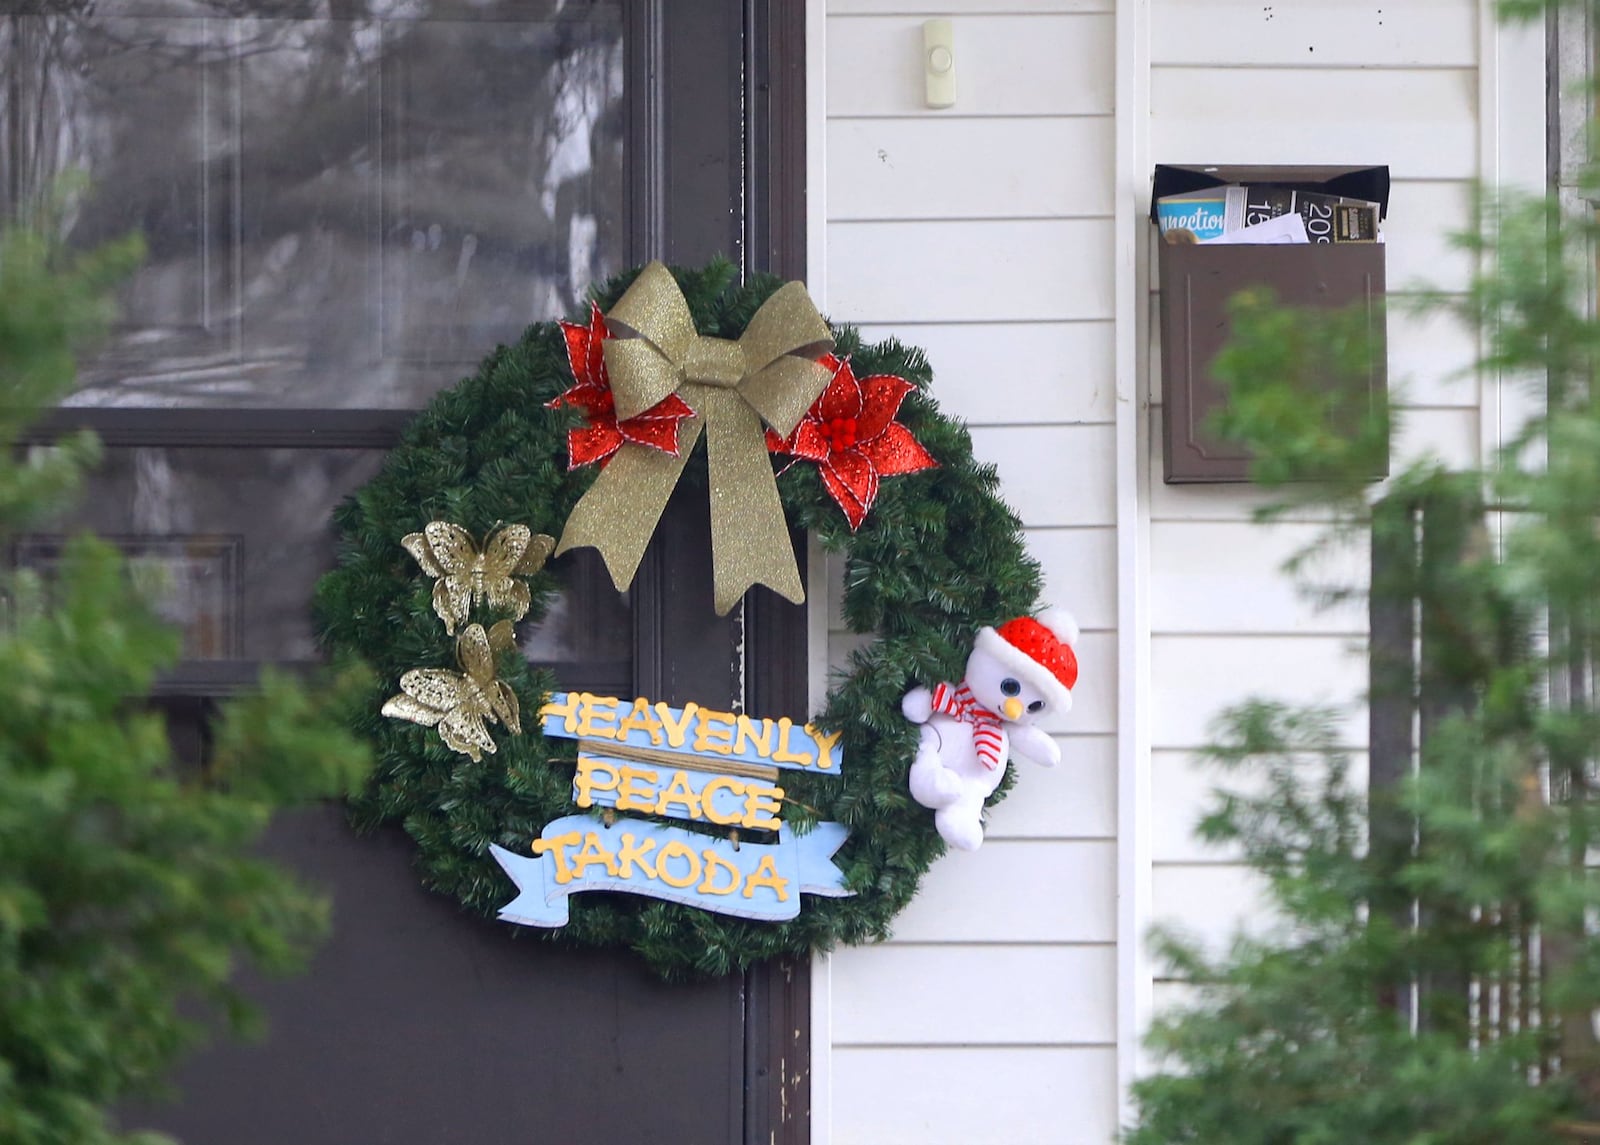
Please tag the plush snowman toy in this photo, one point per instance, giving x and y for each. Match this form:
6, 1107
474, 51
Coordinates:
1016, 674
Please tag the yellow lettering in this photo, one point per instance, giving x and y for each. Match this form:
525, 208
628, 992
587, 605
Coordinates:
640, 716
557, 845
825, 742
783, 754
566, 708
673, 850
676, 729
603, 708
708, 806
593, 853
713, 722
631, 798
747, 735
679, 792
715, 863
759, 805
587, 783
633, 851
766, 875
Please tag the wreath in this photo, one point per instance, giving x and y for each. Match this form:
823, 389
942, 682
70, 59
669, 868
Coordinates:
931, 556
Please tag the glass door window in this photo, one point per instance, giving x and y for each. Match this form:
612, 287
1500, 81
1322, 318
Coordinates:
346, 206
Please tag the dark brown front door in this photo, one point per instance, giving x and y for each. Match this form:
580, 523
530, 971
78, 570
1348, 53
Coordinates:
347, 203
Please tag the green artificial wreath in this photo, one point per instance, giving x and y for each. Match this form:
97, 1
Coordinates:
938, 556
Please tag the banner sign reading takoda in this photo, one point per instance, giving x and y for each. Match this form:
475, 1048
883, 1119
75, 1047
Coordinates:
758, 880
716, 769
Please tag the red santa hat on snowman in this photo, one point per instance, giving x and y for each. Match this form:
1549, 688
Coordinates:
1038, 651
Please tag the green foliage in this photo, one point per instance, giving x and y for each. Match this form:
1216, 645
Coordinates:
129, 890
1297, 379
1306, 1036
49, 303
1432, 975
939, 555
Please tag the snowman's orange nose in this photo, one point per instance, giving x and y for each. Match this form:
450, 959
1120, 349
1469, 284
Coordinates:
1012, 708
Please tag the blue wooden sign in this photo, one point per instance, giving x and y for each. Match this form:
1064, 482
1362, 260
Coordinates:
597, 722
756, 880
748, 801
716, 769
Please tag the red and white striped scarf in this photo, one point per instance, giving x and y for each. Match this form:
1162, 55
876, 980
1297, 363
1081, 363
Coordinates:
987, 735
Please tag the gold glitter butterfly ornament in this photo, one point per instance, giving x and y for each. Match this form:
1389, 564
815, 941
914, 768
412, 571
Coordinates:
462, 704
466, 575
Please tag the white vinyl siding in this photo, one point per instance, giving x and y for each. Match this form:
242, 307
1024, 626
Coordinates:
984, 235
992, 235
1314, 83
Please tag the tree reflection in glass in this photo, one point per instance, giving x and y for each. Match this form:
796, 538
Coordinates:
347, 202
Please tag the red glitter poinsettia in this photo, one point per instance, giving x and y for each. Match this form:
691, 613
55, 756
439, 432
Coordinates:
656, 427
851, 434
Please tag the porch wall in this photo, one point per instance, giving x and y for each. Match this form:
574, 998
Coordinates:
988, 234
1311, 82
983, 234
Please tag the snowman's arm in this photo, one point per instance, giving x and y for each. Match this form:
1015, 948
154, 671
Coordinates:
1033, 744
917, 705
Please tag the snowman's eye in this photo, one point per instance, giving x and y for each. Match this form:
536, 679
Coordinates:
1010, 687
1036, 706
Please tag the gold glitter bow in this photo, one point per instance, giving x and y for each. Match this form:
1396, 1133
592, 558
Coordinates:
769, 373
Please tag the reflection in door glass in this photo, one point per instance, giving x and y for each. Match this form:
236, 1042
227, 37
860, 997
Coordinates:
191, 580
232, 541
586, 636
346, 205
